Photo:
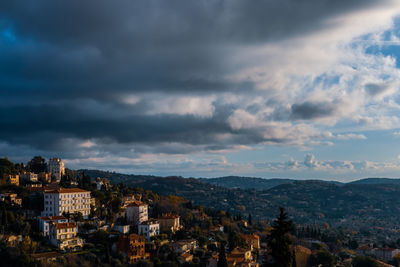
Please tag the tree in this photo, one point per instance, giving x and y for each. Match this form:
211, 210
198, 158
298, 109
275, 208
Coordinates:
353, 244
323, 258
222, 257
37, 164
364, 261
396, 259
280, 240
6, 167
250, 221
4, 217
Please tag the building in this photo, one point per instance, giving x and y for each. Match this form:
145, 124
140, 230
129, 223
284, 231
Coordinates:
148, 229
44, 223
133, 246
137, 212
102, 183
56, 168
123, 229
12, 197
28, 177
127, 200
385, 254
253, 241
63, 235
13, 179
184, 246
185, 257
169, 223
69, 200
241, 257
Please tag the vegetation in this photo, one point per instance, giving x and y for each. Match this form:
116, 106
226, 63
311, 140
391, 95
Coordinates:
280, 240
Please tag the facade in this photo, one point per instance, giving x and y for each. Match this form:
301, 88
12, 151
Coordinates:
69, 200
102, 182
44, 223
12, 197
133, 246
127, 200
253, 241
184, 246
386, 254
28, 177
169, 223
137, 212
240, 257
148, 229
56, 168
63, 235
13, 179
123, 229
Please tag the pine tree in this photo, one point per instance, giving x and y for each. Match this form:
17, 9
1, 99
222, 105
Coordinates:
222, 257
279, 240
4, 217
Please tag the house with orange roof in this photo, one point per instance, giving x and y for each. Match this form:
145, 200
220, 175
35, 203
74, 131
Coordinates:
253, 241
133, 246
45, 221
64, 235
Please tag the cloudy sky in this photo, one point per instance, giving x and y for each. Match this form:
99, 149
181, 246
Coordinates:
289, 88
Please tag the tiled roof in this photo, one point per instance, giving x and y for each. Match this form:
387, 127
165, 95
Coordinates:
52, 218
65, 225
66, 190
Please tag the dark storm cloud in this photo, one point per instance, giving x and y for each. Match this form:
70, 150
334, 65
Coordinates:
311, 110
57, 53
375, 89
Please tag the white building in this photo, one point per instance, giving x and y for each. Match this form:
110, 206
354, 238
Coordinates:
63, 235
44, 223
385, 254
148, 229
69, 200
137, 212
56, 168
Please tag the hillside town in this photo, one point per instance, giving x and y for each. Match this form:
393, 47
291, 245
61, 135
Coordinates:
54, 216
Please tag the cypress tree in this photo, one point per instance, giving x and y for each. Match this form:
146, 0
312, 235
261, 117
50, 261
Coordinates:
279, 240
222, 262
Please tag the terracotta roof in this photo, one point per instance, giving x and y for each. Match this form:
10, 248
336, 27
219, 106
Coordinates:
52, 218
66, 190
253, 236
149, 222
65, 225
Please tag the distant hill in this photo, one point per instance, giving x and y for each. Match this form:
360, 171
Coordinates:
362, 204
117, 177
253, 183
246, 182
377, 181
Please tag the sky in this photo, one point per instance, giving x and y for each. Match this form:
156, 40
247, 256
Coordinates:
296, 89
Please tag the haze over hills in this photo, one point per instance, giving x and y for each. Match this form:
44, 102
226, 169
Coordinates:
241, 182
363, 203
